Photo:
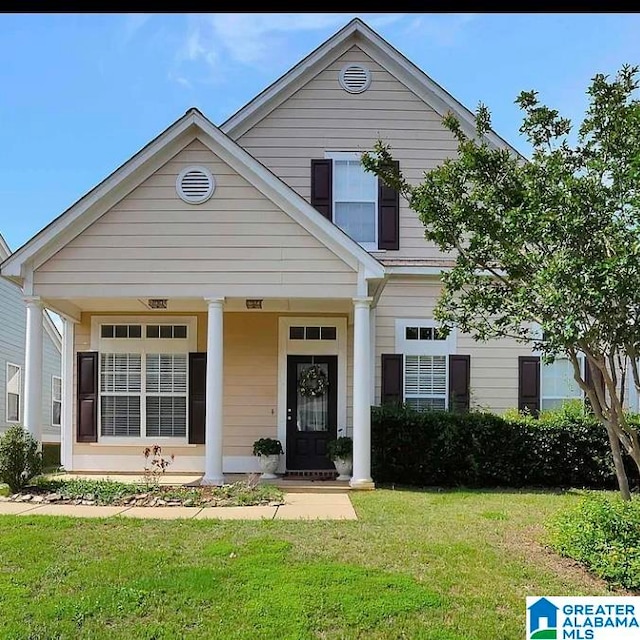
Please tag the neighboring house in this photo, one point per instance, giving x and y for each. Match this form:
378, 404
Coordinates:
13, 315
209, 276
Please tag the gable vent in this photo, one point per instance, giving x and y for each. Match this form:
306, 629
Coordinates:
355, 78
195, 185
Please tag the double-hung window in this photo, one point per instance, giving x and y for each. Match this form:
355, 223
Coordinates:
557, 384
14, 392
143, 370
355, 198
56, 401
425, 353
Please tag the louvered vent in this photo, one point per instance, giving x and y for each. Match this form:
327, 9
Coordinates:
195, 185
355, 78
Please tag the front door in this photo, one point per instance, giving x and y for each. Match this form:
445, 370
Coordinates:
312, 410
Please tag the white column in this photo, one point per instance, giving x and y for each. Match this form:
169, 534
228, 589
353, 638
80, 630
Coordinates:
66, 430
361, 395
33, 369
214, 414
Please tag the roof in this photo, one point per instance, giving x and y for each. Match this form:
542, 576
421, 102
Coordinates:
357, 33
5, 252
193, 125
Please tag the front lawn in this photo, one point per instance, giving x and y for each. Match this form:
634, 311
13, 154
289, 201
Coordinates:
444, 566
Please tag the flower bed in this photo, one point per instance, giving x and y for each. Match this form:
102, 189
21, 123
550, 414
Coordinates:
109, 492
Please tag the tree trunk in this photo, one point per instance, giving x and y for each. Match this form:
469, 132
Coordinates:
621, 474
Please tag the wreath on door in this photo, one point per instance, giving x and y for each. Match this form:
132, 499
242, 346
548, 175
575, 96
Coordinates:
313, 382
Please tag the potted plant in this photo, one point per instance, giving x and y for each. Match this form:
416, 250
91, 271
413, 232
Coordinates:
268, 451
341, 452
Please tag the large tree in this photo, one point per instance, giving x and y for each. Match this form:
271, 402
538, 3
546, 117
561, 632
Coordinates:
552, 241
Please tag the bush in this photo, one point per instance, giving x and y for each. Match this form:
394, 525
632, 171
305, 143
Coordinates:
20, 460
564, 448
267, 447
604, 534
341, 448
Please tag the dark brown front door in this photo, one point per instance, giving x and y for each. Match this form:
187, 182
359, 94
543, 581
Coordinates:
311, 420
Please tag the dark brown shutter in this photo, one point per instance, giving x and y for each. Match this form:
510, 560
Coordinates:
87, 396
459, 382
392, 378
322, 187
388, 215
529, 384
197, 396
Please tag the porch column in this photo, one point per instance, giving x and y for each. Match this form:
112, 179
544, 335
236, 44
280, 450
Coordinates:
361, 395
33, 369
214, 415
66, 431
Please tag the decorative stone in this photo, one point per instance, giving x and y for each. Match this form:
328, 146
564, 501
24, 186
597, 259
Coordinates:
188, 503
54, 497
25, 498
88, 503
37, 499
14, 496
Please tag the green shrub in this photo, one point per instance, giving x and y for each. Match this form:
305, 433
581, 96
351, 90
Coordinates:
603, 533
20, 460
267, 447
564, 448
341, 448
102, 491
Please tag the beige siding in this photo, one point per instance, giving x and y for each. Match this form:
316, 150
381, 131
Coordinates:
237, 243
250, 383
321, 116
494, 364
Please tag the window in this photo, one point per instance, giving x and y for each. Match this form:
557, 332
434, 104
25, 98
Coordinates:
557, 384
56, 401
14, 392
425, 382
426, 363
312, 333
143, 381
355, 199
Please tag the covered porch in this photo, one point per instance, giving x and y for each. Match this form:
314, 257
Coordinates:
205, 378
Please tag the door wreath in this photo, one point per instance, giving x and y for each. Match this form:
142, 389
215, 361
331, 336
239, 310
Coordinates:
313, 382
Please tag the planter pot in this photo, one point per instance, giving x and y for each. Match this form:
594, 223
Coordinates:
343, 467
268, 465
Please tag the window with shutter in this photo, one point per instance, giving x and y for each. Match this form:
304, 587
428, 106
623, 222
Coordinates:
143, 380
557, 384
425, 382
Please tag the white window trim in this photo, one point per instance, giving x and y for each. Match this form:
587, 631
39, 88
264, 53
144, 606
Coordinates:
144, 345
424, 348
53, 400
6, 395
353, 156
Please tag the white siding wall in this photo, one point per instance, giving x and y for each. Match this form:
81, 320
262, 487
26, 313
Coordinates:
238, 243
322, 116
13, 317
494, 364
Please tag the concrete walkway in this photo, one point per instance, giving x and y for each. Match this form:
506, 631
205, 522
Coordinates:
298, 506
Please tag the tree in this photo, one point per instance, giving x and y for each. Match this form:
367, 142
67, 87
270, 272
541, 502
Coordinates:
553, 241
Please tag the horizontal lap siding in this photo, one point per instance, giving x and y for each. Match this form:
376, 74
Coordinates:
494, 364
238, 237
321, 116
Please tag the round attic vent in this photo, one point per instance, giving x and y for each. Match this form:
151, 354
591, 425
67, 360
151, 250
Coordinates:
195, 185
355, 78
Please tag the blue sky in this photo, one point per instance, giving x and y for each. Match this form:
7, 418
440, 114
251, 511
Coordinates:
80, 94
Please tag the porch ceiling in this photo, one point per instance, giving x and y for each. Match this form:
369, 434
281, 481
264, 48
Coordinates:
194, 305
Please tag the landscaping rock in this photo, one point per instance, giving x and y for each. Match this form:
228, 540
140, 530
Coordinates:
161, 502
188, 503
54, 497
37, 499
14, 496
24, 497
88, 503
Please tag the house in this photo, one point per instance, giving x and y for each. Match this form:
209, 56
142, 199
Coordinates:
48, 403
251, 280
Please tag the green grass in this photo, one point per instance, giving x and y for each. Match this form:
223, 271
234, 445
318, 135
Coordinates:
434, 565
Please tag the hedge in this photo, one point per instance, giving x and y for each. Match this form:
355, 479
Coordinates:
564, 448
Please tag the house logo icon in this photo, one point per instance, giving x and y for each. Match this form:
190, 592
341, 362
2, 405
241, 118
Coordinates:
543, 620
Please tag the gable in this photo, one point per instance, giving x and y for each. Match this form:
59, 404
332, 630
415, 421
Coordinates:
321, 116
152, 243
